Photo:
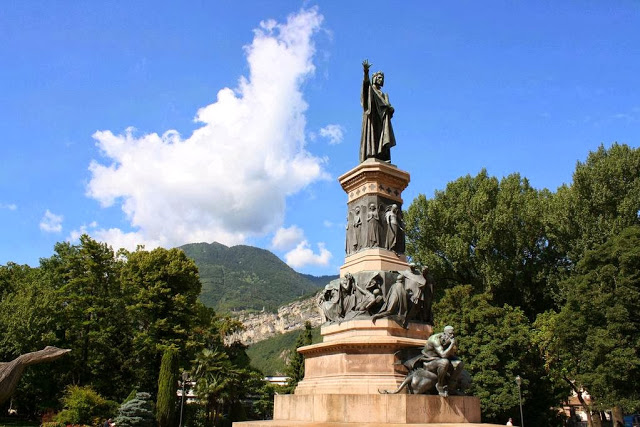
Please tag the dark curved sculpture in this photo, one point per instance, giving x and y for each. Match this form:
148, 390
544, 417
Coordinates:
11, 372
436, 366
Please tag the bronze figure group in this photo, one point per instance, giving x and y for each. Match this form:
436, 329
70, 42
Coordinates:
407, 298
380, 228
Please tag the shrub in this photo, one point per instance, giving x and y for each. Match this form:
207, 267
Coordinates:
82, 405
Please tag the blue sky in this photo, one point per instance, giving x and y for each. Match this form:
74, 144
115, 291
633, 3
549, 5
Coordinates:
163, 123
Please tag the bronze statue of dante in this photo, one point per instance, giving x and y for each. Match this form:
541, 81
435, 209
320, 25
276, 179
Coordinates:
377, 134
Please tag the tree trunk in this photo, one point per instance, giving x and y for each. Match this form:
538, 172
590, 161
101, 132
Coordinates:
617, 416
584, 405
596, 419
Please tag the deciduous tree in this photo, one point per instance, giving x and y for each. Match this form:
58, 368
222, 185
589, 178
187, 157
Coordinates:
593, 341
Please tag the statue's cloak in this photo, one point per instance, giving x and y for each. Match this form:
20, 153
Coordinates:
377, 136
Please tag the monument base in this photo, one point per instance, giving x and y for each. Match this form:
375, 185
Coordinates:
344, 373
348, 410
276, 423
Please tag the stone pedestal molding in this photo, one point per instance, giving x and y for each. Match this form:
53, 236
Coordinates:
374, 177
358, 357
374, 259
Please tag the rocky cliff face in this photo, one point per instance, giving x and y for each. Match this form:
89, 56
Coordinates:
292, 316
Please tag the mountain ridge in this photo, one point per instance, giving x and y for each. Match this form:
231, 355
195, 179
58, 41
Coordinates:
248, 278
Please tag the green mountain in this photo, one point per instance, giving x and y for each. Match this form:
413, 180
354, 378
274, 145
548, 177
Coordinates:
270, 356
248, 278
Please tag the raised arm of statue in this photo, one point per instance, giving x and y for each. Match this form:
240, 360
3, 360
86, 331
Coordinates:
364, 96
365, 68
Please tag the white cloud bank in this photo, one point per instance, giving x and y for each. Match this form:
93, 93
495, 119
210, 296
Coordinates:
334, 133
230, 178
287, 238
303, 255
300, 254
51, 223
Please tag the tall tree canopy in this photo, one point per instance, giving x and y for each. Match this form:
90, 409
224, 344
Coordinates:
603, 199
566, 258
92, 312
489, 234
593, 342
162, 289
495, 343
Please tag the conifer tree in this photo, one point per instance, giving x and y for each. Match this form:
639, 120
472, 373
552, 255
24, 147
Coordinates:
137, 412
167, 387
295, 368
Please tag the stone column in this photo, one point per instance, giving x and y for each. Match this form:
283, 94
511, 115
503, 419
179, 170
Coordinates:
377, 183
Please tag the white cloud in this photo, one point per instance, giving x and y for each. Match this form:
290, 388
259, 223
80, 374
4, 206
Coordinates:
333, 133
229, 180
51, 223
9, 206
303, 255
331, 224
114, 237
287, 238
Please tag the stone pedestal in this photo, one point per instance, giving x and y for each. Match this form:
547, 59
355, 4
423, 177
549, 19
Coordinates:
380, 409
343, 376
358, 357
285, 423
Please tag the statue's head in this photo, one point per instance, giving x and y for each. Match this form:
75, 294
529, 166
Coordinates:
375, 281
372, 207
448, 331
378, 78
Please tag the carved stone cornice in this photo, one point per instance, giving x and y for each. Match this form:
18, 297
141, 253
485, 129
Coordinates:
374, 177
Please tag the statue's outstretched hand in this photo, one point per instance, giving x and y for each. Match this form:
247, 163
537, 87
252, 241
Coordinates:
366, 66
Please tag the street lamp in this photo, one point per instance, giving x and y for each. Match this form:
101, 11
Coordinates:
185, 377
519, 382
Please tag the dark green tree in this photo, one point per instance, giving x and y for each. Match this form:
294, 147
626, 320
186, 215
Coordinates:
603, 199
495, 343
167, 388
295, 368
29, 321
592, 342
489, 234
162, 290
93, 319
27, 311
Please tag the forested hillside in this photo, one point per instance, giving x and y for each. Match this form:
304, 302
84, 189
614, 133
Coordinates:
244, 277
271, 355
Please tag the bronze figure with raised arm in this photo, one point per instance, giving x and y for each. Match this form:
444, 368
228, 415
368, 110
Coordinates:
377, 133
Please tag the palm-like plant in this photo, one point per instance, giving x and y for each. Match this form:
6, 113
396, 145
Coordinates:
217, 381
